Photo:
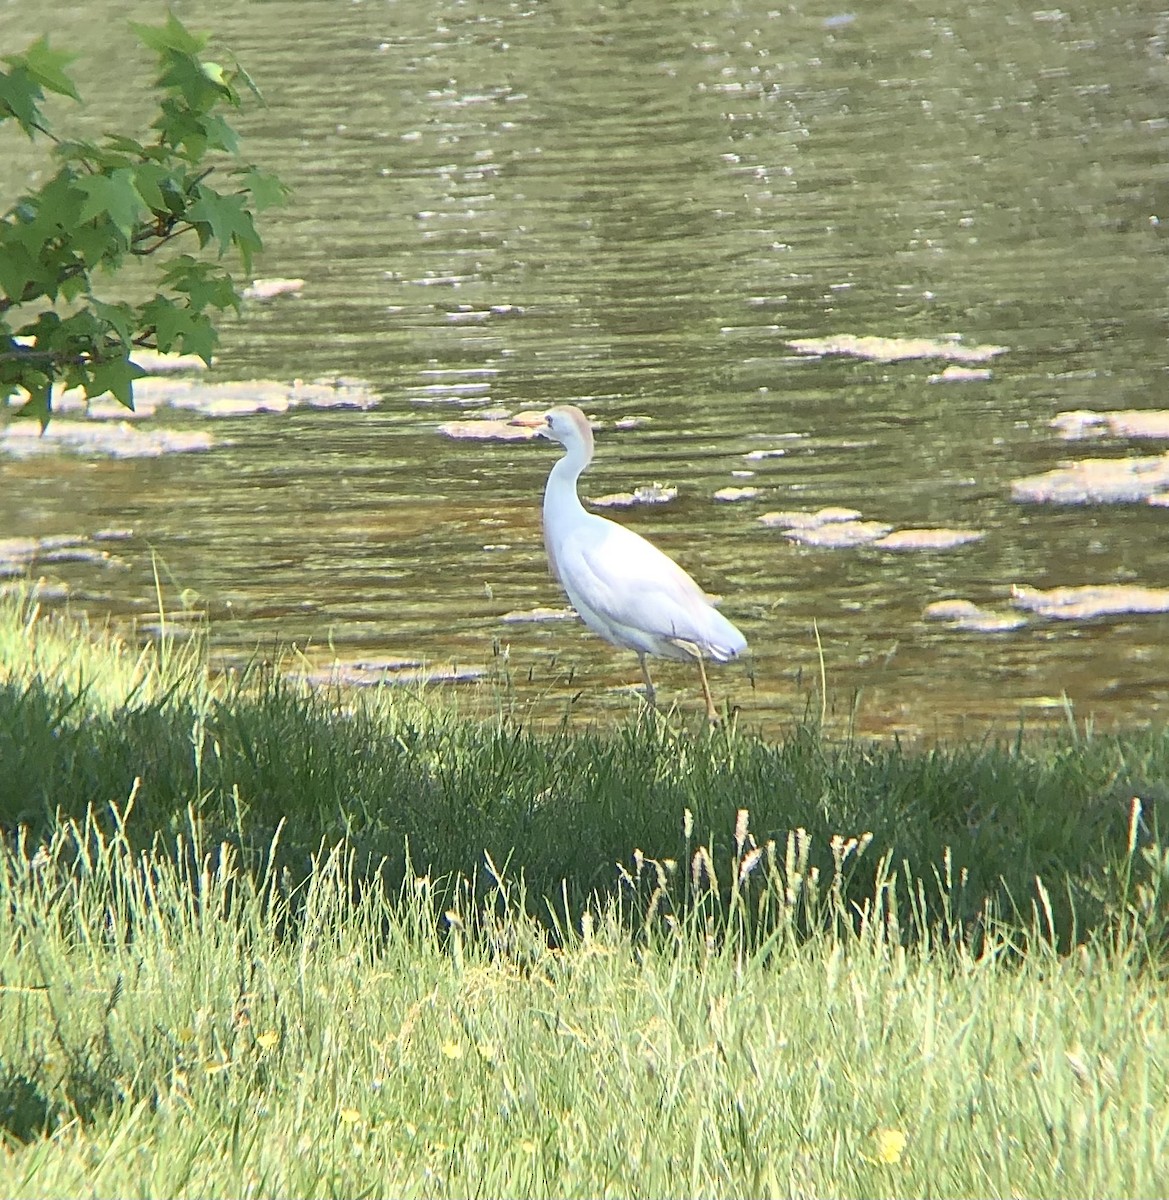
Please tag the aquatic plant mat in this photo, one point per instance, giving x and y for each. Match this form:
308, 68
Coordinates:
257, 940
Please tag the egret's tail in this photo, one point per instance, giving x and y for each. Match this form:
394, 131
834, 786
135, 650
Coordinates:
721, 640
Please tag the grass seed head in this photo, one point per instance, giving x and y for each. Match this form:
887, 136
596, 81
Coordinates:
749, 863
741, 818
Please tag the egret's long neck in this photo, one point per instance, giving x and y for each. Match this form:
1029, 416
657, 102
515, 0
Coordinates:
560, 495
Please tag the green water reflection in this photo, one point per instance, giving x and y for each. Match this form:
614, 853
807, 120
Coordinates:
635, 207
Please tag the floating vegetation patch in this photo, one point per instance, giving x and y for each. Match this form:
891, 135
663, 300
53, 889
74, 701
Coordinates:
541, 613
838, 528
489, 429
1122, 423
962, 375
1096, 481
653, 493
16, 553
1093, 600
218, 399
500, 424
375, 672
968, 616
794, 519
269, 289
21, 556
928, 539
839, 534
896, 349
38, 591
733, 495
25, 439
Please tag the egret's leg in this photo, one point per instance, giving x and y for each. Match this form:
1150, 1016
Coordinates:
711, 711
651, 697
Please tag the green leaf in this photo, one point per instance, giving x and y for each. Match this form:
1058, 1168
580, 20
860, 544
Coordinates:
229, 221
87, 153
121, 318
178, 127
126, 145
167, 319
47, 67
220, 135
97, 245
114, 196
19, 97
206, 285
179, 326
49, 214
39, 389
238, 72
19, 269
174, 36
266, 189
72, 336
201, 338
149, 179
114, 375
183, 126
186, 76
73, 286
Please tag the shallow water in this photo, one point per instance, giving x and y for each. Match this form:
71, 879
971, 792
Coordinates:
637, 208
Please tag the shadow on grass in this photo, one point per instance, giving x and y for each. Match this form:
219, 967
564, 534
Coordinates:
82, 1082
411, 786
26, 1110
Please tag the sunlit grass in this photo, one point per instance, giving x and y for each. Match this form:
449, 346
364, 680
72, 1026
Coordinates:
257, 940
185, 1029
71, 655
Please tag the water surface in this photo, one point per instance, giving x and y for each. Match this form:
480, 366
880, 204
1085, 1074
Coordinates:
637, 208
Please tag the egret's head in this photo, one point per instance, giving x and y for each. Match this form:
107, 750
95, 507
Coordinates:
565, 424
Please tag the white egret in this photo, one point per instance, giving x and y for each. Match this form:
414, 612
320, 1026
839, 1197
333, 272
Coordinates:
623, 587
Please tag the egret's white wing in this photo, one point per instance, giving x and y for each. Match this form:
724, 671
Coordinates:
631, 584
553, 563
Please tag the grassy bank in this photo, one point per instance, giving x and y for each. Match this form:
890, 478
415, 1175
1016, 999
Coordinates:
86, 724
261, 941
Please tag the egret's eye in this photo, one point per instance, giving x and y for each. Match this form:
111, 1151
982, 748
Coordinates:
548, 420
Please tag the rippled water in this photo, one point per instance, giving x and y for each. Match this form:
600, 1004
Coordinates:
636, 208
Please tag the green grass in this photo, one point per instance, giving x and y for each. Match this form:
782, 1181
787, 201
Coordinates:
259, 941
86, 723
